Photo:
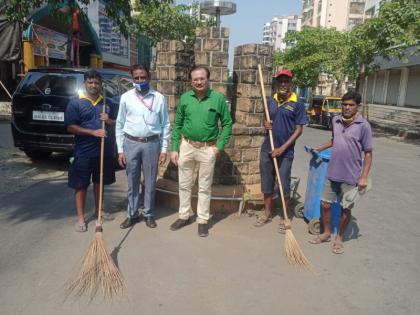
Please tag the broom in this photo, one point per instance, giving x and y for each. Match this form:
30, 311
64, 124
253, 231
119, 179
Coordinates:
98, 269
292, 249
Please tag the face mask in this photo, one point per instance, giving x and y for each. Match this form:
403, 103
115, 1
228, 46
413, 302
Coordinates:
142, 87
283, 91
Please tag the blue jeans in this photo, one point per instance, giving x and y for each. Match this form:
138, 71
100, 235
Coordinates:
141, 156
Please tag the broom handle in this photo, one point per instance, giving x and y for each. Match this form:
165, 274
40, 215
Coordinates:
270, 134
101, 169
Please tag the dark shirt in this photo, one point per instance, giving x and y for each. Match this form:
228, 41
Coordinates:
285, 117
84, 113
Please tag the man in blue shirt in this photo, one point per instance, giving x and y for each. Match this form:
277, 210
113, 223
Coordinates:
83, 118
142, 132
287, 116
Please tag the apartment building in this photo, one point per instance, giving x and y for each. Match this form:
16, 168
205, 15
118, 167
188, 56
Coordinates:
275, 30
372, 8
341, 14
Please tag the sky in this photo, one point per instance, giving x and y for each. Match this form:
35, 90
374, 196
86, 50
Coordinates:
246, 25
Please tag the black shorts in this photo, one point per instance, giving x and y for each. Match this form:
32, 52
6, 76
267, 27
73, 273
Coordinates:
268, 173
83, 169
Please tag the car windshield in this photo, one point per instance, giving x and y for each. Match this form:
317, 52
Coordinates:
58, 84
334, 104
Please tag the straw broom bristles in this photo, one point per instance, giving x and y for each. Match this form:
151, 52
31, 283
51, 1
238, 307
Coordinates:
292, 250
97, 271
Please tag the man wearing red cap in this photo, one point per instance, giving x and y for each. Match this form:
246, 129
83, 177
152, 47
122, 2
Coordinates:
287, 116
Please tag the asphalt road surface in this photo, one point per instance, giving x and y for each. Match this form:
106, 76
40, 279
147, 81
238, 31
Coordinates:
6, 134
238, 269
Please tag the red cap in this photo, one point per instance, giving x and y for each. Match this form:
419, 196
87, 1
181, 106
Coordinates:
285, 72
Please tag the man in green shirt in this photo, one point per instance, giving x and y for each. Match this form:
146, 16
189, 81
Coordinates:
197, 140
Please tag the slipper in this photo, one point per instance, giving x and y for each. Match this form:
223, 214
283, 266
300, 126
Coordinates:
338, 247
319, 240
262, 220
80, 227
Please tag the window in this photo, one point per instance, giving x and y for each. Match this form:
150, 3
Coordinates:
59, 84
353, 23
357, 8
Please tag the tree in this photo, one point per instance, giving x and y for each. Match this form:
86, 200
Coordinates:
350, 54
315, 51
388, 35
155, 19
164, 20
18, 10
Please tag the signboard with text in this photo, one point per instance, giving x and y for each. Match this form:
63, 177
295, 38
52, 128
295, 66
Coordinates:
49, 43
114, 46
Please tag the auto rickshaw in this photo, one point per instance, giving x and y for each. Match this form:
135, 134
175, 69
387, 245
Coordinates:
314, 110
322, 114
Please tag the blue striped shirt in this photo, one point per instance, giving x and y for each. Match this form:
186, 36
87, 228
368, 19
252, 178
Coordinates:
137, 120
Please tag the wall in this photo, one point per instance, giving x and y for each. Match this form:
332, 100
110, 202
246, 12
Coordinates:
237, 171
399, 89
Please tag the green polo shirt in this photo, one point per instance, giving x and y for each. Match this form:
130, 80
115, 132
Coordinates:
198, 120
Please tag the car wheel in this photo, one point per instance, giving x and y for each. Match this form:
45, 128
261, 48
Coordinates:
314, 226
36, 155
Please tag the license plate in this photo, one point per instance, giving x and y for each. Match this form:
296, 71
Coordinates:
48, 116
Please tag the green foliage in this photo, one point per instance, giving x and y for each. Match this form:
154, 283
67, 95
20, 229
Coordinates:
164, 20
388, 35
315, 51
155, 19
340, 54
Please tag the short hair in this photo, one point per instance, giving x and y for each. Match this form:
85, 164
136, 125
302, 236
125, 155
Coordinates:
92, 74
139, 67
194, 68
352, 96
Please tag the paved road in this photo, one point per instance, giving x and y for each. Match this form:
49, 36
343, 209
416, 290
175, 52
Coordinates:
238, 269
6, 134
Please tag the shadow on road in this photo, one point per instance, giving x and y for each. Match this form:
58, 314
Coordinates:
116, 250
352, 231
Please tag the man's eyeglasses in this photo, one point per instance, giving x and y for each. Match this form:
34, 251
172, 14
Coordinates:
199, 80
140, 78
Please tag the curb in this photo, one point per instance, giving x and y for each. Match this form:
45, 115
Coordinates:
5, 111
395, 131
5, 117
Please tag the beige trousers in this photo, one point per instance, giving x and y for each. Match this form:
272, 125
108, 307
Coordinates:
189, 158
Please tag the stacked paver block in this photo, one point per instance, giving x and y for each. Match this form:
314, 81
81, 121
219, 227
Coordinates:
248, 111
238, 169
170, 77
211, 50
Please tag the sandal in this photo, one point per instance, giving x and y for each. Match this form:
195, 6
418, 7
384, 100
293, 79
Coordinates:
338, 247
262, 220
80, 227
319, 240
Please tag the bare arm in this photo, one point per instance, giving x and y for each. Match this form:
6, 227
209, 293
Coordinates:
362, 182
324, 146
296, 134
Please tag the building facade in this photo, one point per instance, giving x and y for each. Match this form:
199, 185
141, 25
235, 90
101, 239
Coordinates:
275, 30
344, 15
395, 82
372, 8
